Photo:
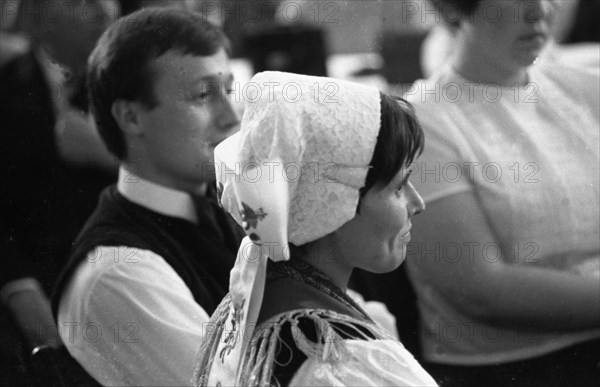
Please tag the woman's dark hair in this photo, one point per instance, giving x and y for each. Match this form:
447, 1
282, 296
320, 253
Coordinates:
400, 140
118, 68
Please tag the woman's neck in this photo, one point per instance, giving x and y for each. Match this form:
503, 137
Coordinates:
323, 256
476, 66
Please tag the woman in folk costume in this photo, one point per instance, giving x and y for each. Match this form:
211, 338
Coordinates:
318, 179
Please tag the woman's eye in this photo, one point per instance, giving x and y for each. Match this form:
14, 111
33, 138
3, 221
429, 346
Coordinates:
401, 187
399, 190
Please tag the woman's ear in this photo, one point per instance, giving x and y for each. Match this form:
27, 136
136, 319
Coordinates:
126, 113
452, 24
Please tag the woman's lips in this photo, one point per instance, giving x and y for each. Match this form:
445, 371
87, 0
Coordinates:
534, 38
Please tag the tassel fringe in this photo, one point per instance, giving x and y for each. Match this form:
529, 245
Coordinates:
258, 364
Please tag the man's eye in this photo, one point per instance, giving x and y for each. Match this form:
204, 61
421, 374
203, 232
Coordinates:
201, 97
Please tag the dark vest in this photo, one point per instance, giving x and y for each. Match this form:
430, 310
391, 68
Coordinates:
202, 255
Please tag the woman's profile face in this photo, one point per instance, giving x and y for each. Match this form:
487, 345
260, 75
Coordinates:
375, 239
511, 32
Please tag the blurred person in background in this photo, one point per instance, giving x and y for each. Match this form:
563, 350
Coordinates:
53, 164
505, 262
574, 36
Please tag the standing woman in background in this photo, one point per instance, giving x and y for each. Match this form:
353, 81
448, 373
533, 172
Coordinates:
506, 265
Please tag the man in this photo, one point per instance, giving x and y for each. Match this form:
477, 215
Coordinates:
153, 261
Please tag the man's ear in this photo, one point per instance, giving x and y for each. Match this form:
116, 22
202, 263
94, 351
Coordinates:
126, 113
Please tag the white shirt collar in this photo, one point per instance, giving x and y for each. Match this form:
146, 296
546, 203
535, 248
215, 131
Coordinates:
155, 197
55, 77
53, 71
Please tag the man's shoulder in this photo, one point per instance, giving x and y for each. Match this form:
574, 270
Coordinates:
115, 221
109, 244
116, 298
115, 271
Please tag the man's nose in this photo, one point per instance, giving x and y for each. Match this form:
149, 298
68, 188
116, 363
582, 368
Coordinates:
228, 117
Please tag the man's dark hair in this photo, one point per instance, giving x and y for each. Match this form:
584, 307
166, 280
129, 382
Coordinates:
400, 140
118, 68
452, 10
465, 7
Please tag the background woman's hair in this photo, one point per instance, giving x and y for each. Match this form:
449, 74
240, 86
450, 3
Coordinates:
400, 140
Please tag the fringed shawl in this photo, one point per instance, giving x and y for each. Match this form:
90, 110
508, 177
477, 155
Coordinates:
294, 285
259, 359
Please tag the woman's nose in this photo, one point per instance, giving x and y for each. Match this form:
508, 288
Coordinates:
536, 10
415, 202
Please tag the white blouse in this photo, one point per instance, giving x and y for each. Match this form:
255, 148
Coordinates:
531, 157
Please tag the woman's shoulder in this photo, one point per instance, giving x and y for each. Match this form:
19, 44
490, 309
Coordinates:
300, 287
322, 347
428, 91
286, 294
442, 99
362, 363
580, 82
296, 337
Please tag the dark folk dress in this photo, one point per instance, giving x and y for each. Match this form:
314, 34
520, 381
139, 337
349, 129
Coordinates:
307, 323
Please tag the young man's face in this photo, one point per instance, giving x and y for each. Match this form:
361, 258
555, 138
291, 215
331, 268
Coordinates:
193, 115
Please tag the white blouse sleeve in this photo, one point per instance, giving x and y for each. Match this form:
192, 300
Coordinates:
378, 311
364, 363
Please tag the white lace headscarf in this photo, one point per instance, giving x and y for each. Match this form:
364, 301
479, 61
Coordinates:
292, 175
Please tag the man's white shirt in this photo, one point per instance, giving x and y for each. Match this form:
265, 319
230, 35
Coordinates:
126, 315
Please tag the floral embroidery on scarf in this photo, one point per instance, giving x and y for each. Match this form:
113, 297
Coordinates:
233, 335
219, 193
250, 219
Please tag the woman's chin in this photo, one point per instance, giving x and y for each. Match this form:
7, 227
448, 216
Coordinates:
390, 264
528, 57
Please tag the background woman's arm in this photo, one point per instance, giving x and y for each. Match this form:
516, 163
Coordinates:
491, 289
